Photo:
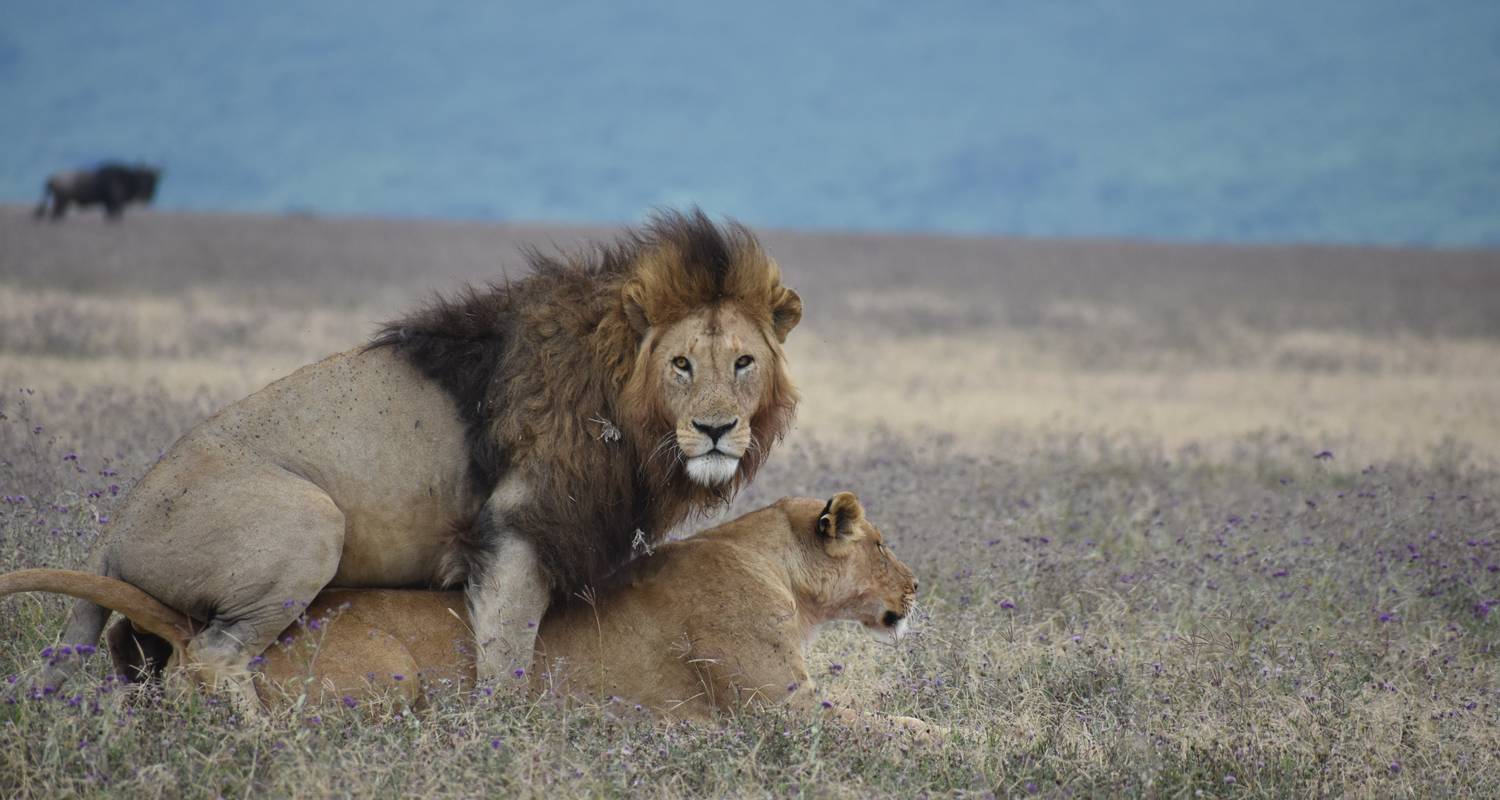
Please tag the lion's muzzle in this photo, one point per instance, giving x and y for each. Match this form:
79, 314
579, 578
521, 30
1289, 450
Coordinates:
713, 449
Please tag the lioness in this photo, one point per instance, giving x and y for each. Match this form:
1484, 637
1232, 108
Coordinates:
715, 622
515, 440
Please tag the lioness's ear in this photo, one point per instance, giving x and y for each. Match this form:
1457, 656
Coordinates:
840, 515
786, 312
635, 309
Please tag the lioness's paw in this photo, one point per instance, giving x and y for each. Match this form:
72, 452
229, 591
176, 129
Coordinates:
922, 731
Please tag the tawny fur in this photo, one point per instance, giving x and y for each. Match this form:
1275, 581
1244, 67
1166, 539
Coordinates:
713, 623
580, 334
383, 467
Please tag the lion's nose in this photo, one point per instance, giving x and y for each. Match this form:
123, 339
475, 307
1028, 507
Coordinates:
713, 432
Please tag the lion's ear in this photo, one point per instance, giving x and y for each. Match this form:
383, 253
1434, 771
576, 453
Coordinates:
786, 312
839, 518
633, 297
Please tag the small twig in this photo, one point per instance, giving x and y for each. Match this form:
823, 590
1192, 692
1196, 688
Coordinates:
609, 432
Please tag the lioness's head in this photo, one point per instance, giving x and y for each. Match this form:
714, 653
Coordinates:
862, 580
709, 378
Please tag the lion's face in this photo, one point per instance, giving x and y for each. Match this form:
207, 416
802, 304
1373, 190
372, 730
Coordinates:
706, 394
868, 583
715, 369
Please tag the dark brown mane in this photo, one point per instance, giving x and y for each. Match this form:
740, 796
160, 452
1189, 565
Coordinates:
541, 367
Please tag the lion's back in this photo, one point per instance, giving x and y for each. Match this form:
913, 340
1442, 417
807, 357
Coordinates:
361, 427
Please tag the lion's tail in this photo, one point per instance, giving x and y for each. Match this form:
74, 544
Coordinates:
146, 612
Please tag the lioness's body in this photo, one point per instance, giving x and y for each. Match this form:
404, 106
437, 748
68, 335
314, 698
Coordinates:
720, 620
710, 623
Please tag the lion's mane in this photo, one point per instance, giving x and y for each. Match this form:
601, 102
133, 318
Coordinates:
545, 369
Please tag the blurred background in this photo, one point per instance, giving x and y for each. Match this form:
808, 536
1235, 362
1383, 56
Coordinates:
1375, 121
1180, 221
1162, 338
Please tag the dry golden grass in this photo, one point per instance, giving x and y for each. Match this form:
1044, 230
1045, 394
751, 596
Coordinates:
1388, 397
1098, 457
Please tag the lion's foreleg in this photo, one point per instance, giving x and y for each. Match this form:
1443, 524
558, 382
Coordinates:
506, 602
805, 702
507, 589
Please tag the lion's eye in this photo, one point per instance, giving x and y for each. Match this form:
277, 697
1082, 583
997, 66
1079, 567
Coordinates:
683, 364
743, 361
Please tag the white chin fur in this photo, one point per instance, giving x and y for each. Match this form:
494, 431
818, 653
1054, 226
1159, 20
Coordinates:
712, 469
890, 635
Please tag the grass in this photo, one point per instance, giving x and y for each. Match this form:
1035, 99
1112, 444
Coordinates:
1195, 604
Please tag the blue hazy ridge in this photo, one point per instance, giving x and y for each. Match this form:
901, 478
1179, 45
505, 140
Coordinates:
1364, 121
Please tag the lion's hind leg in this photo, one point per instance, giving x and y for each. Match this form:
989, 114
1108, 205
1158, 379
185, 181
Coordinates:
253, 582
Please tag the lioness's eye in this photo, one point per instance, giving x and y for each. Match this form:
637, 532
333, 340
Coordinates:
743, 361
683, 364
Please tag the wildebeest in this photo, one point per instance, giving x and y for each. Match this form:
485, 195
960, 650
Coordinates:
110, 184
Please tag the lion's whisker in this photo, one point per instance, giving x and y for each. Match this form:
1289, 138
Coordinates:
668, 445
667, 439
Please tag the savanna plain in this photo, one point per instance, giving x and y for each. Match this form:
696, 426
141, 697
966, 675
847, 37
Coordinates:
1189, 520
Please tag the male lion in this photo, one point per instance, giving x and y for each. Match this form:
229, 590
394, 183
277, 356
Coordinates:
516, 440
715, 622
